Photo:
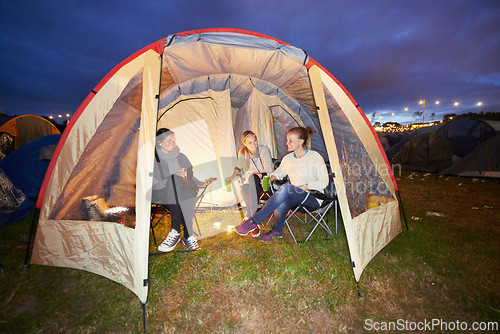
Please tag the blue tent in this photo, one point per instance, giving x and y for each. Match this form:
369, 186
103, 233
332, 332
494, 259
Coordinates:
27, 165
22, 211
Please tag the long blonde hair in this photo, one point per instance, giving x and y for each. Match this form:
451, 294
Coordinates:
243, 149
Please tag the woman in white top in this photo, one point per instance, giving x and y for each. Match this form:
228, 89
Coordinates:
254, 162
306, 170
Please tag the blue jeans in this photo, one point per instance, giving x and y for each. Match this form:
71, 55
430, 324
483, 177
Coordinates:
286, 198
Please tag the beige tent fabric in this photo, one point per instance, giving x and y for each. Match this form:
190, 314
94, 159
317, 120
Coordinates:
204, 131
373, 230
199, 55
362, 129
368, 232
144, 174
105, 248
259, 114
111, 154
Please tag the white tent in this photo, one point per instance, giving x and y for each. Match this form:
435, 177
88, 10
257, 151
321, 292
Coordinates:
209, 86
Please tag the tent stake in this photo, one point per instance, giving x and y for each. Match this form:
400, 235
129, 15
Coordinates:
402, 208
35, 214
357, 287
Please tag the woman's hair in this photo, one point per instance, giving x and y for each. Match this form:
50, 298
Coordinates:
243, 149
302, 133
163, 130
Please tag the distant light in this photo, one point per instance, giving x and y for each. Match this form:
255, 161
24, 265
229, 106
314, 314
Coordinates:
437, 102
67, 115
421, 102
51, 117
480, 103
380, 117
59, 116
406, 109
392, 114
456, 104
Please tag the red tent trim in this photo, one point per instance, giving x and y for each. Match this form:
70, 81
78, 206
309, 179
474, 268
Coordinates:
156, 46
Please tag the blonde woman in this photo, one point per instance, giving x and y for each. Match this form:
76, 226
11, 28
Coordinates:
307, 172
254, 162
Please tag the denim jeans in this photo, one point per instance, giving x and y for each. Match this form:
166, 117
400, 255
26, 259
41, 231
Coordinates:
286, 198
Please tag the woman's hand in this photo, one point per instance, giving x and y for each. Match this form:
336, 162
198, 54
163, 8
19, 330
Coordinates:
230, 178
182, 173
272, 178
208, 181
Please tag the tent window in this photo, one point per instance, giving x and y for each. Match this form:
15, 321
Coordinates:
102, 184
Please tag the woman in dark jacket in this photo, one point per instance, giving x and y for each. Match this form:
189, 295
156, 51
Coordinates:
175, 187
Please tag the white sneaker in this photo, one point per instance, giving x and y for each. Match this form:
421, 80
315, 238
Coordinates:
191, 243
170, 241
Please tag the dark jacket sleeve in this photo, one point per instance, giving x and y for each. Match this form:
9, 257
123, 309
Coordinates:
185, 163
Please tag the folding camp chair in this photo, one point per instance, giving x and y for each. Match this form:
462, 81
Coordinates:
317, 215
163, 210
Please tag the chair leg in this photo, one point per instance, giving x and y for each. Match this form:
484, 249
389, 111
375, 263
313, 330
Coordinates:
198, 226
154, 224
288, 216
336, 204
291, 233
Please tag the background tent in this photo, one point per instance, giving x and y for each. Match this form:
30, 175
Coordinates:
396, 144
26, 166
495, 125
426, 152
484, 161
209, 86
14, 205
465, 134
17, 131
390, 139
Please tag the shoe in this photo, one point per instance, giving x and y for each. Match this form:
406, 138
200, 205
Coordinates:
270, 235
170, 241
255, 233
191, 243
246, 227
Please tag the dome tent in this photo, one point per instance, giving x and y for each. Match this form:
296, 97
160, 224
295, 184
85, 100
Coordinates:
484, 161
465, 134
209, 86
26, 166
19, 130
426, 152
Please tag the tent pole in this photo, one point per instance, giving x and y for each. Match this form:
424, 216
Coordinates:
144, 317
35, 214
402, 208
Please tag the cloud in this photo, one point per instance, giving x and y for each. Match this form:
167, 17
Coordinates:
388, 54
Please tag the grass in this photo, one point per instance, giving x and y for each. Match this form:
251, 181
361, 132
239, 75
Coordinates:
442, 268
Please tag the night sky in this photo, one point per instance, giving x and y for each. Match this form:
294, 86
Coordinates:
388, 54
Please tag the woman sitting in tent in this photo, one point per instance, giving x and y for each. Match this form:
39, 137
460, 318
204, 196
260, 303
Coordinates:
306, 170
254, 162
175, 187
